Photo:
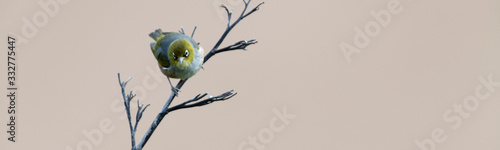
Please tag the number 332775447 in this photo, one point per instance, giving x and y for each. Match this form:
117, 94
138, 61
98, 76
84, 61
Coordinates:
11, 66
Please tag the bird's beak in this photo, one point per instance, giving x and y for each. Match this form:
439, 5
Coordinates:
181, 59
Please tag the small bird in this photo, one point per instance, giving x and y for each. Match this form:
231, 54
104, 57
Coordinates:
178, 55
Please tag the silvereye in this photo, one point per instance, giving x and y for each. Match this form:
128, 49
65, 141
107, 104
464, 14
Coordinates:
178, 55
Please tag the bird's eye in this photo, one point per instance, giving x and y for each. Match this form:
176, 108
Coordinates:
186, 54
175, 57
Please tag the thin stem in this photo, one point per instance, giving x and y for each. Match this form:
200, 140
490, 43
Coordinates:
164, 111
126, 101
241, 45
192, 34
182, 30
229, 13
230, 27
222, 97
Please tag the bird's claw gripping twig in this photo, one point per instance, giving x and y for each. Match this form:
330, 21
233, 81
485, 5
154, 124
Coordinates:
175, 91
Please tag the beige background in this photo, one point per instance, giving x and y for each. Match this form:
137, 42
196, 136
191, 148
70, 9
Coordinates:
395, 91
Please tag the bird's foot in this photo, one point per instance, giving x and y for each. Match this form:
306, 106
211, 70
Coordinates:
176, 91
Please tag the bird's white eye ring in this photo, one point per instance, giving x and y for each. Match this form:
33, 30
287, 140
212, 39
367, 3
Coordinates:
186, 54
175, 57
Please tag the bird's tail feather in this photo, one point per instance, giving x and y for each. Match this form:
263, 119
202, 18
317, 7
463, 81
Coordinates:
156, 35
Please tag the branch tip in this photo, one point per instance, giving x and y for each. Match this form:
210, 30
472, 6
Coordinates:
192, 34
182, 30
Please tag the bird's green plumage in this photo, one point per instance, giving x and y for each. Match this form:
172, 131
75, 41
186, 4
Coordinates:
177, 53
181, 48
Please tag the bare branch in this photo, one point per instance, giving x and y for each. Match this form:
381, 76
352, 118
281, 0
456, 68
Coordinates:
126, 102
196, 101
222, 97
192, 34
130, 96
240, 45
253, 10
140, 110
229, 13
182, 30
230, 27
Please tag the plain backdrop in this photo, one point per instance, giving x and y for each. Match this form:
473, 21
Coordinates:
426, 60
